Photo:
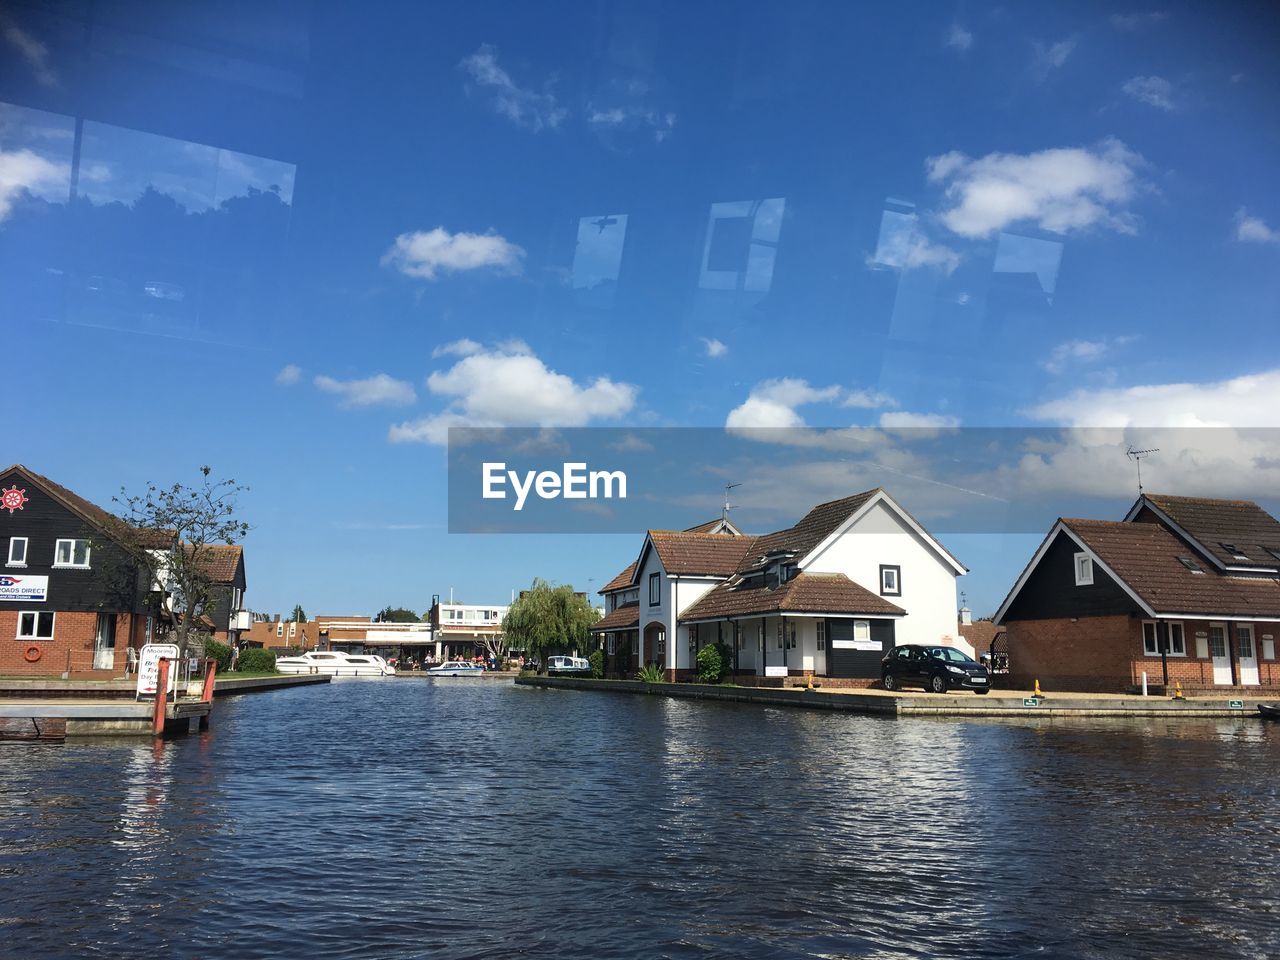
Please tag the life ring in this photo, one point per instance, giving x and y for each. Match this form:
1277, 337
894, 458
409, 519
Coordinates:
32, 654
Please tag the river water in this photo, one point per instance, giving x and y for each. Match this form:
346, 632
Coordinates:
417, 818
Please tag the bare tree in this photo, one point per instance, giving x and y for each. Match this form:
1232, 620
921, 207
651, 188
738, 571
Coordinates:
170, 533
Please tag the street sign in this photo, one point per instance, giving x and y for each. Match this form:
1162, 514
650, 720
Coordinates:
1030, 702
1235, 704
149, 668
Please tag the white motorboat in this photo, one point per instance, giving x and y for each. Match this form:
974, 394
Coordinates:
455, 668
568, 665
335, 663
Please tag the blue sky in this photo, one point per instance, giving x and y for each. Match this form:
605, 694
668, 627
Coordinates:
309, 239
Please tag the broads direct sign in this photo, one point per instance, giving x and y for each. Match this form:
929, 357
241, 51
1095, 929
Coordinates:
23, 588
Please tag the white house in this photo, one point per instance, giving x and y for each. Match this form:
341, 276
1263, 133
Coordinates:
825, 597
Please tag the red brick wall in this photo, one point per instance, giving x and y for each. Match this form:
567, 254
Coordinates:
1106, 654
70, 649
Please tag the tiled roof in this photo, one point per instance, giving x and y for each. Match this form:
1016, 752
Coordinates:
803, 593
716, 526
1241, 523
816, 525
624, 618
1145, 556
620, 581
692, 554
980, 633
219, 561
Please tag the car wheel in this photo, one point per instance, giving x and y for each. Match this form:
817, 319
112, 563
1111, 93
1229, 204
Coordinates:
982, 693
889, 681
938, 683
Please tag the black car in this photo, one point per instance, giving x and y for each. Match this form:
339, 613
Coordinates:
934, 668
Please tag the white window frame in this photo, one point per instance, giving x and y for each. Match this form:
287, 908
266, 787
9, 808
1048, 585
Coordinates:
293, 628
822, 635
236, 597
279, 628
72, 565
793, 641
1084, 574
862, 627
886, 589
25, 548
1153, 649
610, 644
36, 615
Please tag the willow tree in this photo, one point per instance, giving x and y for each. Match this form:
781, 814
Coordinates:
549, 618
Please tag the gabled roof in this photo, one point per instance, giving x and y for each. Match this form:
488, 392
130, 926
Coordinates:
832, 593
90, 512
1144, 559
979, 633
621, 581
624, 618
220, 561
721, 525
814, 527
696, 554
1213, 524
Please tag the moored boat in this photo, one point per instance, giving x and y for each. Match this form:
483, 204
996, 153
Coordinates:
335, 663
455, 668
568, 665
1269, 711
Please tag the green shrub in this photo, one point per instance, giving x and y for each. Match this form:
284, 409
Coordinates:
254, 660
651, 673
597, 663
712, 663
219, 652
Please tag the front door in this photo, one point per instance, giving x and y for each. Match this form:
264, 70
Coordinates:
1218, 653
1248, 655
104, 642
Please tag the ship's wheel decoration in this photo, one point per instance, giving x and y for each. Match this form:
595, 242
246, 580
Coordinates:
12, 499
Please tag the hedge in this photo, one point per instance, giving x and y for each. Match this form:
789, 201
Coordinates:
255, 660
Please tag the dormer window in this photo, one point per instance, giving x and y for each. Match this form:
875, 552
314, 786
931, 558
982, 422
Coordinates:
1084, 570
1190, 564
890, 580
1274, 551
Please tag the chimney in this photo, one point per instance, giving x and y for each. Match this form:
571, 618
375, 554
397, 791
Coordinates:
966, 617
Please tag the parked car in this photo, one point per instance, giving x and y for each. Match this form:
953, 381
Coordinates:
938, 669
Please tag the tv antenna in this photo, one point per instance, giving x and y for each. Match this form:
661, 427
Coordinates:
1137, 457
724, 513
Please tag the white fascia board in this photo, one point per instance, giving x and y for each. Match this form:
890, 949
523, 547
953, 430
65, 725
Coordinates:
882, 497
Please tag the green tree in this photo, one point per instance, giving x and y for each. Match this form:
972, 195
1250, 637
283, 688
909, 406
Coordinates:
547, 618
298, 613
396, 615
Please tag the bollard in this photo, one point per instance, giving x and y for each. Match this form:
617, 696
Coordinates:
1144, 683
1177, 690
1038, 694
162, 693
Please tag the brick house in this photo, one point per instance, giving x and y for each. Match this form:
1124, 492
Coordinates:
71, 599
1184, 589
227, 617
826, 597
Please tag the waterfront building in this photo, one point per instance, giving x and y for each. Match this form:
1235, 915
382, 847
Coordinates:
413, 642
461, 629
274, 633
1183, 589
227, 619
71, 600
825, 597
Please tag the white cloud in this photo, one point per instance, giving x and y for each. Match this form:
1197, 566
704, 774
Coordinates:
1064, 189
958, 38
1246, 401
772, 403
289, 374
1136, 21
508, 386
713, 347
32, 50
378, 390
1048, 57
424, 253
23, 170
904, 246
456, 348
1153, 91
867, 400
1252, 229
661, 123
902, 419
1076, 351
523, 106
631, 444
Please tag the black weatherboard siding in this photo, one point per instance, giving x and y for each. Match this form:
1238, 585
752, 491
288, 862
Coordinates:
1051, 592
109, 584
857, 663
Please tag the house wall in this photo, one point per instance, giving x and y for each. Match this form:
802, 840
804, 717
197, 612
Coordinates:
661, 612
863, 664
1051, 592
928, 581
685, 592
70, 649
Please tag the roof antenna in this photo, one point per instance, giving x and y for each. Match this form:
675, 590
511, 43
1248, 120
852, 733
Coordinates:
724, 513
1136, 456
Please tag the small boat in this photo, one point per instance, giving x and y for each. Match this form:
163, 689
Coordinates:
568, 665
455, 668
335, 663
1269, 711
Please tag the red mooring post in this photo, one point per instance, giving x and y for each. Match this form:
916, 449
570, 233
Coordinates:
206, 695
162, 692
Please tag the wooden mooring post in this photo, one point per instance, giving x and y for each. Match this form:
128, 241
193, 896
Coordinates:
162, 694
